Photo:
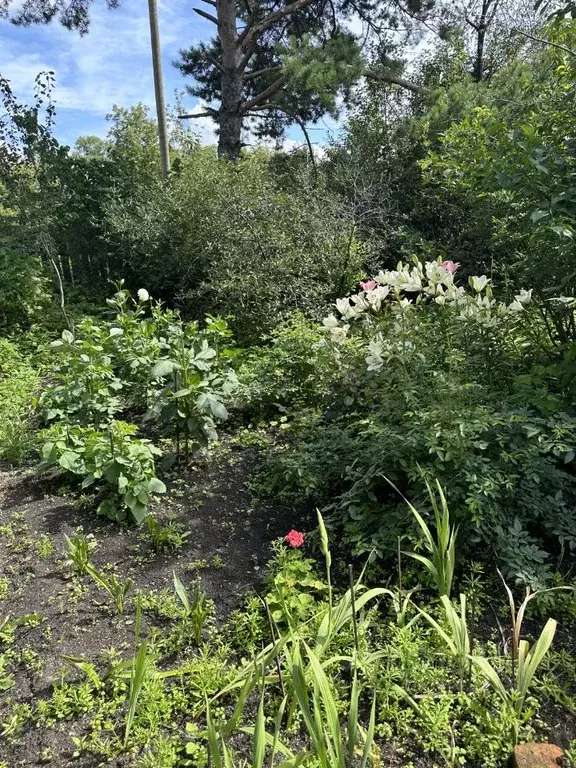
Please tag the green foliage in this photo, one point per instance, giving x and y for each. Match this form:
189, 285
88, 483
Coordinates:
24, 293
509, 160
165, 537
294, 588
230, 240
112, 459
80, 549
442, 550
290, 373
18, 382
433, 387
85, 388
194, 386
110, 583
196, 610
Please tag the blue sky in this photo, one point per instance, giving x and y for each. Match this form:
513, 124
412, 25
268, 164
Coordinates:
110, 65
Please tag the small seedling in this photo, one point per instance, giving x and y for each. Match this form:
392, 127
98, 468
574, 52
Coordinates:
118, 590
196, 610
165, 536
80, 550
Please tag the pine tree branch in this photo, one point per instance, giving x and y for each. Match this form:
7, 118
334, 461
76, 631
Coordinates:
245, 59
255, 30
205, 15
214, 61
547, 42
207, 113
258, 72
264, 95
210, 2
385, 76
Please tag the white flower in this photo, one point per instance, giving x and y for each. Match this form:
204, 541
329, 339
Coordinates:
524, 296
338, 333
377, 296
343, 306
479, 283
330, 322
143, 295
374, 356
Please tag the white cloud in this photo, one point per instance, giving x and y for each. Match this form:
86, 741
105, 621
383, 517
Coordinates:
110, 65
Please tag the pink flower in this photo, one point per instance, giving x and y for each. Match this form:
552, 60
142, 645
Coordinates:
294, 538
369, 285
449, 266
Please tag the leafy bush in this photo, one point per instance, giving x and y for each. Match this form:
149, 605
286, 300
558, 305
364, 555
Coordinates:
84, 388
194, 386
295, 369
508, 162
24, 289
230, 239
121, 465
432, 385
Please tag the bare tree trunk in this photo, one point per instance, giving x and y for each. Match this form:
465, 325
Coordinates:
230, 129
489, 8
230, 115
480, 40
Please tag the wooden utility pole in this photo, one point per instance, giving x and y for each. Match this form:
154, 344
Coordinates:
159, 87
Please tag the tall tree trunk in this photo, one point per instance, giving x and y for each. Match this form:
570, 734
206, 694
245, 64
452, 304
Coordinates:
489, 8
230, 115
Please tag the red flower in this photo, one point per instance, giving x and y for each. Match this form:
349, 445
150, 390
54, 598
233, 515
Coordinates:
294, 538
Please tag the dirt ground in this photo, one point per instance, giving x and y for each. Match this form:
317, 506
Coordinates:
228, 546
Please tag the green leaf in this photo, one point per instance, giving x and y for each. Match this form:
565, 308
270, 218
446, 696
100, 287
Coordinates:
218, 410
164, 368
156, 486
183, 392
181, 592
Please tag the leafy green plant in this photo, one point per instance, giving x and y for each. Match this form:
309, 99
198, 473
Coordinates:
165, 536
18, 383
112, 459
80, 549
84, 389
457, 638
192, 398
196, 610
117, 589
526, 665
319, 711
138, 673
294, 585
442, 549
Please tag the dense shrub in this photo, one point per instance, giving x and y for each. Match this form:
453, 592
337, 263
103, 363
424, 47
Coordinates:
24, 289
432, 383
230, 239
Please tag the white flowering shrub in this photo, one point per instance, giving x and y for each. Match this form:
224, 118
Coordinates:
436, 379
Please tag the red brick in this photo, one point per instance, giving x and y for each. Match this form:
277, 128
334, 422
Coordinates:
537, 756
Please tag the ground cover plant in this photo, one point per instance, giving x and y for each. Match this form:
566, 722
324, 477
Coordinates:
288, 444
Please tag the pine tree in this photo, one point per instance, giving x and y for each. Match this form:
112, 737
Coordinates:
288, 62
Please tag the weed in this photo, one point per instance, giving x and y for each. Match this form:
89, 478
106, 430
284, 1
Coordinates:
118, 590
169, 536
80, 548
196, 609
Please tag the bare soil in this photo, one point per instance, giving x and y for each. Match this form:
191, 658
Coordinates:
228, 547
